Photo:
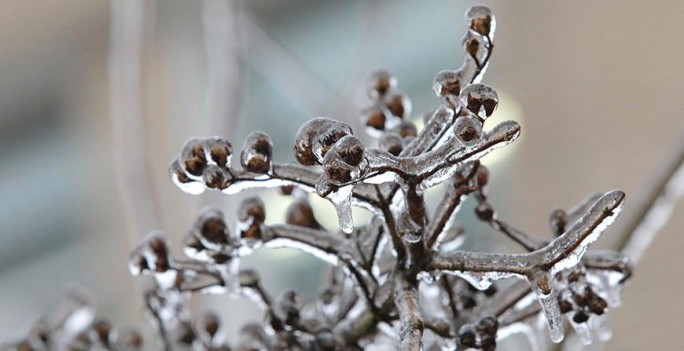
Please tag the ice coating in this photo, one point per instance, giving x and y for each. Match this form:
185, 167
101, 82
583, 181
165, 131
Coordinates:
403, 273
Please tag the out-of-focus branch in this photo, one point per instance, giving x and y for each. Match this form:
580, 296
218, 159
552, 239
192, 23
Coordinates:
127, 37
655, 213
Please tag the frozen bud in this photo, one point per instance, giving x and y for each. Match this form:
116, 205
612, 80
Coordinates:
597, 305
391, 143
252, 208
301, 214
565, 301
475, 46
398, 104
375, 118
212, 228
480, 19
193, 157
248, 278
342, 162
183, 181
151, 255
211, 324
407, 129
447, 85
192, 246
251, 215
256, 153
379, 83
288, 307
479, 99
178, 173
220, 151
350, 149
287, 189
215, 177
315, 137
582, 298
468, 130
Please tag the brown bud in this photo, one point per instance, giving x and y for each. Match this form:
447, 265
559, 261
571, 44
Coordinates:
193, 158
211, 324
391, 143
468, 130
407, 129
480, 99
315, 137
216, 177
256, 153
220, 151
480, 19
375, 118
301, 214
447, 85
398, 104
379, 83
212, 227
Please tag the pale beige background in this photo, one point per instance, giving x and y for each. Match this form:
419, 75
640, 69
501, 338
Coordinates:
598, 86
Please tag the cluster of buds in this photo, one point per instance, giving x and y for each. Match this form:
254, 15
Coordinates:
206, 163
400, 281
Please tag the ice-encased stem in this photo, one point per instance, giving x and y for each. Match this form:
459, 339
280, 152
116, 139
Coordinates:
540, 265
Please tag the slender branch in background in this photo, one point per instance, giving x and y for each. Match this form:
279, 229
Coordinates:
127, 40
223, 72
655, 213
284, 71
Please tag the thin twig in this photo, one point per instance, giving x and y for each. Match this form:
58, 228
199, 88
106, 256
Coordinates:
655, 213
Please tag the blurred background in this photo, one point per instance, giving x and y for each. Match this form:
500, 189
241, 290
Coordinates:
597, 88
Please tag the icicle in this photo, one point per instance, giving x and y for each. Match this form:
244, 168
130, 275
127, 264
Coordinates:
547, 296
